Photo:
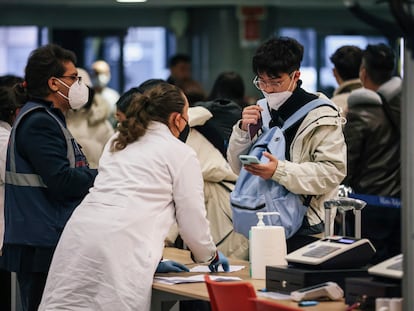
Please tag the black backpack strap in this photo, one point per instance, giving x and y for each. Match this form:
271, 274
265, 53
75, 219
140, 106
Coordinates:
388, 113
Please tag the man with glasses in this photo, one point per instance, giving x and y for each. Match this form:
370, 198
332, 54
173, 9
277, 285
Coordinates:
47, 175
315, 161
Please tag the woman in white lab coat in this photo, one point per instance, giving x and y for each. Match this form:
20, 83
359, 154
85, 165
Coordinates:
112, 244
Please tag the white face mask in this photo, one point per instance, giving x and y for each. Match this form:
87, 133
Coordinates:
277, 99
101, 80
78, 94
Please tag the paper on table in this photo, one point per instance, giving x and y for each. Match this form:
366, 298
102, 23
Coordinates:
274, 295
192, 279
220, 269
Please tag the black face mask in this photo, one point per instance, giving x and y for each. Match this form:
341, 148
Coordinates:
184, 133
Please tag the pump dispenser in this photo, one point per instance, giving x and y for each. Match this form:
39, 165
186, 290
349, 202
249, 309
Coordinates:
267, 246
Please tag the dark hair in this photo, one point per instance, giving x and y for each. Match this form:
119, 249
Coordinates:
278, 55
156, 104
379, 62
124, 101
178, 58
228, 85
192, 90
43, 63
10, 80
10, 101
347, 61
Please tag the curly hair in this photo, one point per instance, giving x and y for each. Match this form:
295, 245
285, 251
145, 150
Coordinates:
278, 55
43, 63
124, 101
155, 104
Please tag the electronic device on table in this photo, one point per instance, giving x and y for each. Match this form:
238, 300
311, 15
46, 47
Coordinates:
327, 290
333, 258
336, 252
390, 268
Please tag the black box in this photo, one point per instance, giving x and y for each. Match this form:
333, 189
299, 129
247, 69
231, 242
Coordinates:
371, 288
285, 279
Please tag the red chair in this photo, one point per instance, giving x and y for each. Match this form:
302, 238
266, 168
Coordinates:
258, 304
230, 296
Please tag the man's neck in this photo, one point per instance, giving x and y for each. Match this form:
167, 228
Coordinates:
371, 85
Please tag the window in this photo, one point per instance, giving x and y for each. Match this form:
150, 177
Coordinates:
331, 44
16, 43
144, 55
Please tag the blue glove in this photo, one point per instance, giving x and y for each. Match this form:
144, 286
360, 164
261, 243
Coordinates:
171, 266
219, 260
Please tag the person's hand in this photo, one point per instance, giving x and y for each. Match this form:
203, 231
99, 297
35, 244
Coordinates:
250, 115
219, 260
264, 170
171, 266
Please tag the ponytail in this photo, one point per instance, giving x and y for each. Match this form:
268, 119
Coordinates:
155, 104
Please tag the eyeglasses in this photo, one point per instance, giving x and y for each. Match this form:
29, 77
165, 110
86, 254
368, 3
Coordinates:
74, 78
262, 85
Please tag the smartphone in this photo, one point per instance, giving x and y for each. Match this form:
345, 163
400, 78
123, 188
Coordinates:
255, 129
248, 159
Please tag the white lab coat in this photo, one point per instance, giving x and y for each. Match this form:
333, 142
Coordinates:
5, 130
112, 244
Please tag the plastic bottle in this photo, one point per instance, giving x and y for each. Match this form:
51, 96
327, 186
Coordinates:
267, 246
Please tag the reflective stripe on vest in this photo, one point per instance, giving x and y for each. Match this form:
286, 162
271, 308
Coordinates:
34, 180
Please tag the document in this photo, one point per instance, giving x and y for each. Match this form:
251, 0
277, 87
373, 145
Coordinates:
193, 279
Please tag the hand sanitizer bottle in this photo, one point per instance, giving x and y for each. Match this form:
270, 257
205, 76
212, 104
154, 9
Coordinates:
267, 246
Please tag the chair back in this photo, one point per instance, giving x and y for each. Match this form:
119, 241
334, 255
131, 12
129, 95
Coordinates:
258, 304
230, 296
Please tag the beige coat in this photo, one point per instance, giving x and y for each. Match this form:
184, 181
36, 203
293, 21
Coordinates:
318, 159
91, 129
341, 94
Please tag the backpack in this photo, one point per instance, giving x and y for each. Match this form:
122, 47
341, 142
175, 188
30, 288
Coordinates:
254, 194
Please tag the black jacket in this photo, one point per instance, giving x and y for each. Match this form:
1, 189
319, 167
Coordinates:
372, 134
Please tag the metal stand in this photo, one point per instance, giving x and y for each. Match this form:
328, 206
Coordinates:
343, 205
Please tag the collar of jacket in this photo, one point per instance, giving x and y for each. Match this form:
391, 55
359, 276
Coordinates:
49, 105
391, 88
348, 86
364, 96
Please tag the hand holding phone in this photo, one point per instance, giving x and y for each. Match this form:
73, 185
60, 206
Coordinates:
248, 159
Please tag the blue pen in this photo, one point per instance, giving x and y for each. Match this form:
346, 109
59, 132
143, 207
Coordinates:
307, 303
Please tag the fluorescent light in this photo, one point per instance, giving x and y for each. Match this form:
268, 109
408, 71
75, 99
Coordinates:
130, 1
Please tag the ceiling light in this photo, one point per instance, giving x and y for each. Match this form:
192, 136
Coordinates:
130, 1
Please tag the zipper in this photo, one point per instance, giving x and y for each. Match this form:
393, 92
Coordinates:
249, 208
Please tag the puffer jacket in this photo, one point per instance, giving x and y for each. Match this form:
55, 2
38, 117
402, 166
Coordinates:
373, 140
